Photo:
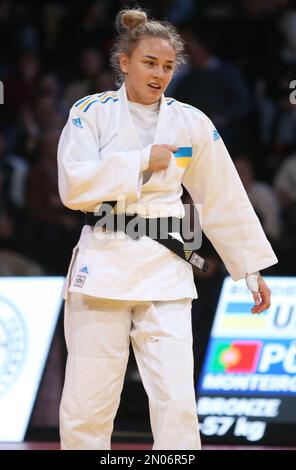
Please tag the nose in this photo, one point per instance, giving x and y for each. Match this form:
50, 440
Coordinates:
158, 72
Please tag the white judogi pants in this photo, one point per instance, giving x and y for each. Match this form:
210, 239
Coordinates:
97, 335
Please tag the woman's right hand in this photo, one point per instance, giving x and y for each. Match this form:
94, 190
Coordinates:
160, 157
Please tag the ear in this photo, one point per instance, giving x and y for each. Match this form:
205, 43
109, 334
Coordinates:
124, 62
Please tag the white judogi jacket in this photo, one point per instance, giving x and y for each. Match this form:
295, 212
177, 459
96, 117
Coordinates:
100, 158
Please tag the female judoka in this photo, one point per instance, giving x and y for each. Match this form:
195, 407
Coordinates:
136, 147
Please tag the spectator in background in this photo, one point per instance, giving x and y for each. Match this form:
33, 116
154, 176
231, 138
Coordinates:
13, 171
91, 66
7, 228
285, 181
15, 264
285, 184
53, 228
278, 119
217, 89
288, 27
20, 85
52, 17
262, 196
44, 112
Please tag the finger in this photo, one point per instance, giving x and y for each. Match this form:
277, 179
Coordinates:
173, 148
256, 297
262, 305
265, 293
264, 290
260, 308
257, 300
265, 297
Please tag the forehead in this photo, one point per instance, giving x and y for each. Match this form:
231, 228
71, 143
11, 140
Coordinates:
156, 47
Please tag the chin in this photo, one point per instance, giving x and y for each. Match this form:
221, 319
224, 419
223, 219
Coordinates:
155, 96
152, 101
149, 99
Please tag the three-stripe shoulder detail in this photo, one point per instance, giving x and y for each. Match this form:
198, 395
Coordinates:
85, 103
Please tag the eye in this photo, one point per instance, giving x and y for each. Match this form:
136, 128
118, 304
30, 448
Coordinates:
168, 68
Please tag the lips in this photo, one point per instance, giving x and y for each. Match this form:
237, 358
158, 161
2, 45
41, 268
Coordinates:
155, 86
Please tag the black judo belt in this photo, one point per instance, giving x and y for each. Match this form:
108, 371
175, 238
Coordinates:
156, 228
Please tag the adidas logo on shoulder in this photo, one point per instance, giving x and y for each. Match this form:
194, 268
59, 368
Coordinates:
216, 135
77, 122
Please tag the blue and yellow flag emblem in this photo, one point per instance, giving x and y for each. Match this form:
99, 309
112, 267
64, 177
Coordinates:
183, 156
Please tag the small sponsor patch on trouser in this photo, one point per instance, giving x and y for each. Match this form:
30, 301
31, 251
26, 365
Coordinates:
79, 281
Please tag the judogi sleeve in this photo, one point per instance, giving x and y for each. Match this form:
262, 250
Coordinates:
227, 216
85, 179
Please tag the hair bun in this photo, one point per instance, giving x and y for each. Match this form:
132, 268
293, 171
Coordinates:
131, 19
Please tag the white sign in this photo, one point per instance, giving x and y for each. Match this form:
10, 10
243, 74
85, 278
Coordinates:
29, 310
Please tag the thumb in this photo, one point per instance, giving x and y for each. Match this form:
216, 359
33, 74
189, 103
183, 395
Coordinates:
256, 298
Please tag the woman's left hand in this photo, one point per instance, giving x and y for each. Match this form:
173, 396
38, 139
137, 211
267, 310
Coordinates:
261, 298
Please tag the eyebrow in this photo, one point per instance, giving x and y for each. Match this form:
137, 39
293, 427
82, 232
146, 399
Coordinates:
155, 58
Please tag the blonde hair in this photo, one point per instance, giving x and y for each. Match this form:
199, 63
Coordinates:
132, 26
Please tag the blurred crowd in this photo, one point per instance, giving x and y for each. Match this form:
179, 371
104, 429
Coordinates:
241, 63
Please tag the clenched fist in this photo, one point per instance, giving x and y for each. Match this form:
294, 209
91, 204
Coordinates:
160, 157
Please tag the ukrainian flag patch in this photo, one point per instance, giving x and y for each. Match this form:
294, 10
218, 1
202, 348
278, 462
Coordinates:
183, 156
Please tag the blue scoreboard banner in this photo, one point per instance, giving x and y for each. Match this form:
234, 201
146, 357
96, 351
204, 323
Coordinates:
247, 388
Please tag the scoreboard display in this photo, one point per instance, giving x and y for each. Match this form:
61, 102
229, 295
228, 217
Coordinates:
247, 388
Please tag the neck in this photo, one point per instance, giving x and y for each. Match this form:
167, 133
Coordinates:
136, 99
